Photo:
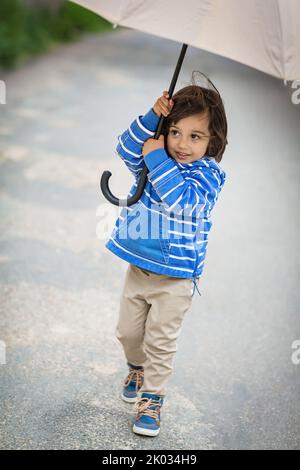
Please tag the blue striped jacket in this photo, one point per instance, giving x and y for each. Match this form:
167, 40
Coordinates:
166, 231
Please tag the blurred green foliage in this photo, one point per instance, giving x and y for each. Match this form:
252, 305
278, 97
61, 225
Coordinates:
27, 31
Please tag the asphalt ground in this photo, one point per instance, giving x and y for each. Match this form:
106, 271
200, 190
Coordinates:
235, 384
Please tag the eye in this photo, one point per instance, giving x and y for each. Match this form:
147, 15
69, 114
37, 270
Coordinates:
173, 132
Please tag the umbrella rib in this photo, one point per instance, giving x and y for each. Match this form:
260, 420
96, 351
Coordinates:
282, 59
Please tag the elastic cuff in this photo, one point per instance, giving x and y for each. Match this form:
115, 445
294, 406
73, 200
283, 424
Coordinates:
155, 158
150, 120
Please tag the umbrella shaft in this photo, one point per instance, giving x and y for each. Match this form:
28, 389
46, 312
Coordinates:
172, 86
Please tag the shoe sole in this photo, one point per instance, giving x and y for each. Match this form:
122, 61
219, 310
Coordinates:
144, 431
128, 399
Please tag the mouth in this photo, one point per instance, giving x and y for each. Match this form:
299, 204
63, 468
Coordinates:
182, 156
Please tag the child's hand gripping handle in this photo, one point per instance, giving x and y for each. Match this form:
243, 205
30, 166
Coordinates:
163, 105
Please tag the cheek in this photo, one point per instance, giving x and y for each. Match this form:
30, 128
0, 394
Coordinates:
203, 145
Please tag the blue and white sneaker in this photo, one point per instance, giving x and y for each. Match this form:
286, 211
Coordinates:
147, 420
132, 384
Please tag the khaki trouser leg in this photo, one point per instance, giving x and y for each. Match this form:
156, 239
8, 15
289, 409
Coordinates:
130, 329
151, 313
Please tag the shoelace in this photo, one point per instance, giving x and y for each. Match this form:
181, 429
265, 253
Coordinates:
142, 407
136, 375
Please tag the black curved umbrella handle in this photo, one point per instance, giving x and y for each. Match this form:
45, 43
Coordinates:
123, 202
143, 177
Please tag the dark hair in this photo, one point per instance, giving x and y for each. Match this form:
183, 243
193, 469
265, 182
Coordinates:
195, 99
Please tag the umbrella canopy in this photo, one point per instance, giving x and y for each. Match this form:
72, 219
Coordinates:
262, 34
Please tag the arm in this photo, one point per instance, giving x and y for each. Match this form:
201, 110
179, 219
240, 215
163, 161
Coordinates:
198, 191
130, 143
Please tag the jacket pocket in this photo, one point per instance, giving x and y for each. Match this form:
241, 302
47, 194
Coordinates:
144, 236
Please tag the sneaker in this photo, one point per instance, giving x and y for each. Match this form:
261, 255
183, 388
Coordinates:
147, 420
132, 384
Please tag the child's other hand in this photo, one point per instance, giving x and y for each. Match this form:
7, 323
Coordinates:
153, 144
163, 105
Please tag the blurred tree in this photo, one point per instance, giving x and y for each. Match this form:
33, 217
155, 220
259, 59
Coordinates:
29, 27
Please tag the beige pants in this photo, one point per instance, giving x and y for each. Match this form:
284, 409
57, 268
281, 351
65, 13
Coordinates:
152, 309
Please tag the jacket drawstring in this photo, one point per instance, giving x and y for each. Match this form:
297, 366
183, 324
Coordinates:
195, 285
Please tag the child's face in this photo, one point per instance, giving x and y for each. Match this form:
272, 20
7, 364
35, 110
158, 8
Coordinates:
190, 136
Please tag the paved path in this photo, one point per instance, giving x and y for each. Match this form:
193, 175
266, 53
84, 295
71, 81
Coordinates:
234, 384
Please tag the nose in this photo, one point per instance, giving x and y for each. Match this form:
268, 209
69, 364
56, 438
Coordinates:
182, 145
183, 140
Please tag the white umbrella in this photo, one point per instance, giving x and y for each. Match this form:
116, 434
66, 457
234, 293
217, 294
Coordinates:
264, 34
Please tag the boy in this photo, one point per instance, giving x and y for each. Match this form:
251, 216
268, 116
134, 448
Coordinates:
167, 260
